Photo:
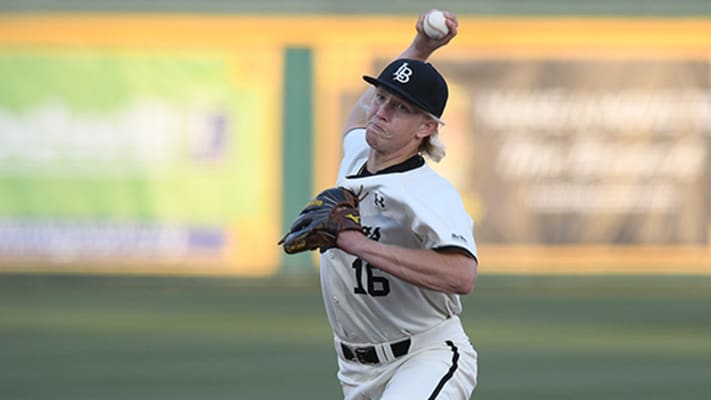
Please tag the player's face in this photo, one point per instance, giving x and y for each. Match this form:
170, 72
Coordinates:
394, 124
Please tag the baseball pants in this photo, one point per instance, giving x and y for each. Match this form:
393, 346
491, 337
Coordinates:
438, 364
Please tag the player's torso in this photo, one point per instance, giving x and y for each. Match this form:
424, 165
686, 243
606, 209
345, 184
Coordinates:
363, 303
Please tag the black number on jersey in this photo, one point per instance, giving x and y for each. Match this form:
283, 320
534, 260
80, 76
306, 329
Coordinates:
373, 233
378, 286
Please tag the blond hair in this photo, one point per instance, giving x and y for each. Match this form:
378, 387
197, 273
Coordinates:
432, 148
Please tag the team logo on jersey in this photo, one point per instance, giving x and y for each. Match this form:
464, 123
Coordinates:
403, 73
378, 200
372, 232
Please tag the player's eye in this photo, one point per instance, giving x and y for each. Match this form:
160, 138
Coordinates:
404, 108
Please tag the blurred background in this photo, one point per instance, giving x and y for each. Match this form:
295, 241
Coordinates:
152, 153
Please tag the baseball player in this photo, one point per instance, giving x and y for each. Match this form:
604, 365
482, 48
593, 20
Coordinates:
392, 295
392, 276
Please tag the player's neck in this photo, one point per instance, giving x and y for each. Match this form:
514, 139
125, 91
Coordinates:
378, 161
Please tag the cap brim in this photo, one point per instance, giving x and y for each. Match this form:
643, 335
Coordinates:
398, 91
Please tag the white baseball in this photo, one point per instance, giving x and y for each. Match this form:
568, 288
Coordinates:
435, 25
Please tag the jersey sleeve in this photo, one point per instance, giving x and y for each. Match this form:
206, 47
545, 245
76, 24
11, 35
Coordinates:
355, 152
444, 223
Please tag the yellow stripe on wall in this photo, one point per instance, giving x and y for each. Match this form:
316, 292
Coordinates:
484, 32
507, 259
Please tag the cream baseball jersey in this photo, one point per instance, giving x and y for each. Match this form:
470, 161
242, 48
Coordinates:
410, 206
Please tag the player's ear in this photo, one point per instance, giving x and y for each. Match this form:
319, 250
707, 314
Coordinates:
428, 127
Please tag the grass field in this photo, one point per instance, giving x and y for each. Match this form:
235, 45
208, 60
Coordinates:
571, 338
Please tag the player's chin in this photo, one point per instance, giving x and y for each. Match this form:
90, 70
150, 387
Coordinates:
370, 138
373, 139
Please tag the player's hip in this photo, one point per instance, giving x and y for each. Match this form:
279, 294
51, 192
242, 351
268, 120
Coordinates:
440, 359
449, 329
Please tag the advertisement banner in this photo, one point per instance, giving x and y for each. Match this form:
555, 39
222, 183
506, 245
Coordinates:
138, 160
601, 151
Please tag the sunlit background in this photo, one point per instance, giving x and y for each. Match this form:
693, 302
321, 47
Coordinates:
152, 153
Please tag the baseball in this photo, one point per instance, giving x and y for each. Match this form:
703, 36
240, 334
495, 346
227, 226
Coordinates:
435, 25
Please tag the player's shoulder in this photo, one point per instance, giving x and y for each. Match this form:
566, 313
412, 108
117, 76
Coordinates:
430, 189
423, 197
430, 181
354, 143
355, 150
354, 134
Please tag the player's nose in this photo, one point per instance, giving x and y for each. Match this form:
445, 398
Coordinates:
383, 110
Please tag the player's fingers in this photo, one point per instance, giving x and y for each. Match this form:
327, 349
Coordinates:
420, 24
451, 17
452, 22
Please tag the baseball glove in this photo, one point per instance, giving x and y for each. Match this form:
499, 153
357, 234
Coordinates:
318, 224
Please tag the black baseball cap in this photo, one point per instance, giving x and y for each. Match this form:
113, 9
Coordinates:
416, 81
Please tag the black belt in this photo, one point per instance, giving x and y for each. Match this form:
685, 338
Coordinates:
368, 355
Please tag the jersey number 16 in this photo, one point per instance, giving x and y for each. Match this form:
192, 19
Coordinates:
377, 286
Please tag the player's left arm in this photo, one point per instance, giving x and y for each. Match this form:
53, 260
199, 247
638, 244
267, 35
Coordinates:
444, 271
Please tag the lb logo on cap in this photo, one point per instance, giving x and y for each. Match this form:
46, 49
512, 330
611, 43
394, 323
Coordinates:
403, 73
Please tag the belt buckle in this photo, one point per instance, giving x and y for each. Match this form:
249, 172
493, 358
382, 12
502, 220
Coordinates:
361, 354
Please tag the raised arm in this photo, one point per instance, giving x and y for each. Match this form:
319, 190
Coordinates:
421, 48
